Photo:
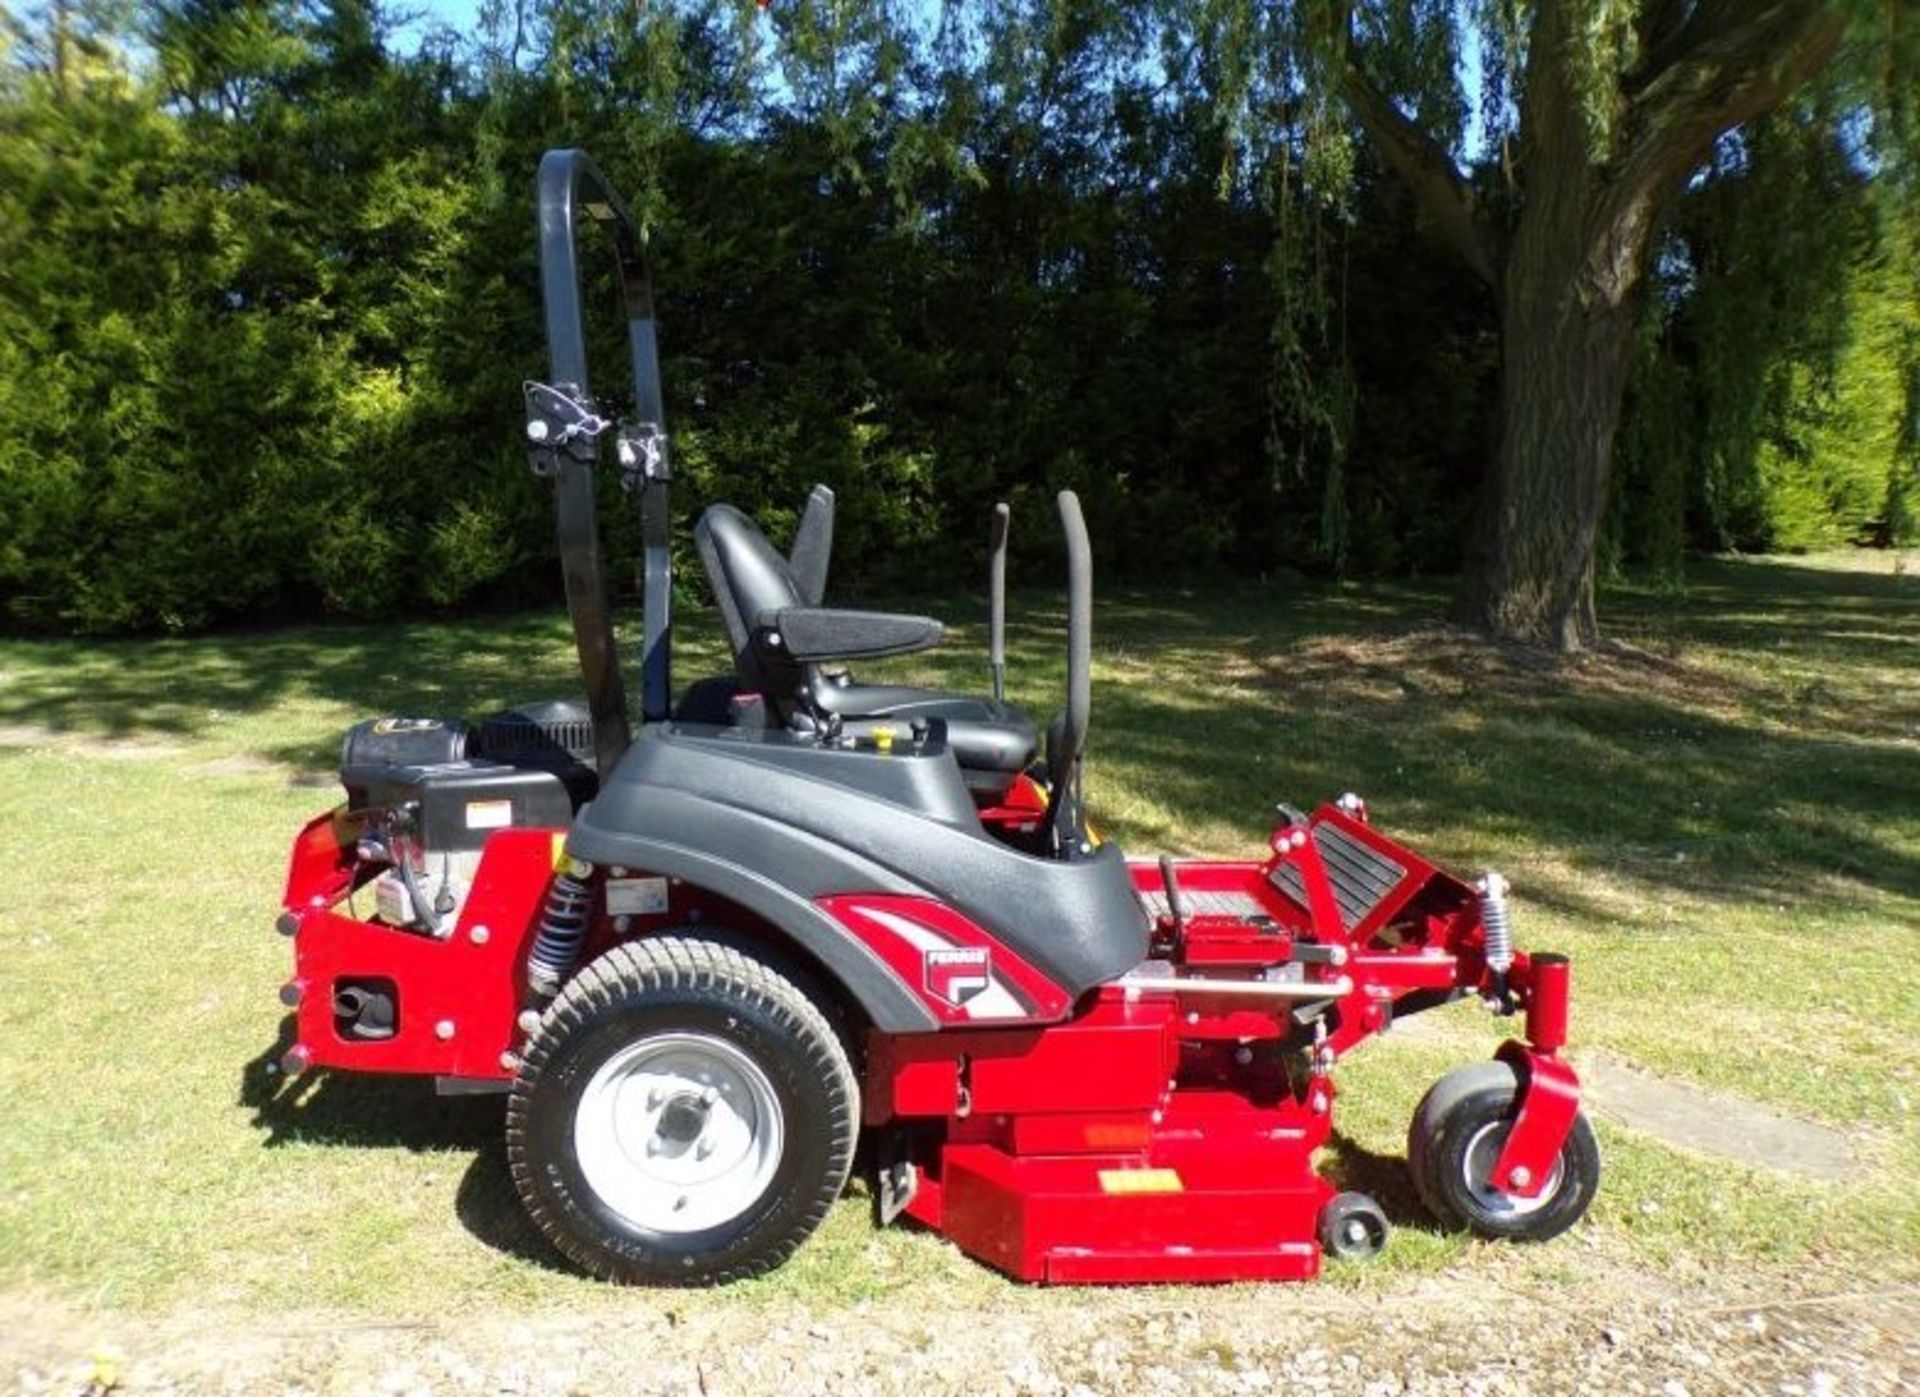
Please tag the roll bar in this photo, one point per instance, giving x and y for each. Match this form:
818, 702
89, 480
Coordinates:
563, 431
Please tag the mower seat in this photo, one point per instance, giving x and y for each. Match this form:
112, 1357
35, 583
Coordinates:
752, 582
990, 739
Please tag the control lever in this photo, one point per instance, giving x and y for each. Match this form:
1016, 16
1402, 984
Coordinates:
997, 601
1176, 904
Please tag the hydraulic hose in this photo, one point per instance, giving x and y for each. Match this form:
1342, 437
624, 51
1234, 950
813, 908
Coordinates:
417, 895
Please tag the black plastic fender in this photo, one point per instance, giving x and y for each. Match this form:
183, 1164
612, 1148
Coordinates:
889, 1004
775, 821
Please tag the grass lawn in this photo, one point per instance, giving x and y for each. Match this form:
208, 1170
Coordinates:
1723, 830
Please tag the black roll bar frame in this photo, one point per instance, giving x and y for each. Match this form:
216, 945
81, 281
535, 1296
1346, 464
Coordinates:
563, 431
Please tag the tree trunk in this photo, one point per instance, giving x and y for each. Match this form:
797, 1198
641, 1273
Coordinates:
1575, 269
1575, 274
1569, 306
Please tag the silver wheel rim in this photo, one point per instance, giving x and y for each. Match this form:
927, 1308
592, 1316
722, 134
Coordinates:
679, 1132
1356, 1236
1483, 1152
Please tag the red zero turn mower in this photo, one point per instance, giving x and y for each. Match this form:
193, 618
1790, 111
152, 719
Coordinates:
794, 909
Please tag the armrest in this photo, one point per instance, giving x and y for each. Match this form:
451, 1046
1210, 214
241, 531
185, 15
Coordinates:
813, 633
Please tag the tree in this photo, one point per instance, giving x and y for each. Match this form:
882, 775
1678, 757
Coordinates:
267, 286
1791, 299
1615, 106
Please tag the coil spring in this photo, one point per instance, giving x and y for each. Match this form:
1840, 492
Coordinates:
1496, 923
563, 928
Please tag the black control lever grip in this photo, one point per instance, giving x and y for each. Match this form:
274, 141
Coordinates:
1176, 902
997, 600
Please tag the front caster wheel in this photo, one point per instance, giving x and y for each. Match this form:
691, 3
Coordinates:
1353, 1228
684, 1115
1457, 1134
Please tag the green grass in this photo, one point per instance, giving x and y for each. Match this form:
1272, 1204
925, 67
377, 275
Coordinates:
1723, 829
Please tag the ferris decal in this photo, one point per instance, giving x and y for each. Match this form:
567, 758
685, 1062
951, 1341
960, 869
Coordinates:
956, 975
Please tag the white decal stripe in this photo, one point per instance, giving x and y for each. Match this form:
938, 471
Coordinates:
994, 1002
919, 937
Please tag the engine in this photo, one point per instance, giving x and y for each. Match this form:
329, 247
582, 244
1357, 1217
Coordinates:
427, 793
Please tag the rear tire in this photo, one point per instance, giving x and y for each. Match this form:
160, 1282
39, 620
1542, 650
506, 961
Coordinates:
683, 1115
1457, 1134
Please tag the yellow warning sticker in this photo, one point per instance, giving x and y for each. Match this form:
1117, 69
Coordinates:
560, 850
1140, 1181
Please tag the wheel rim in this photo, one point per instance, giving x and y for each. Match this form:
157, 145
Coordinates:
679, 1133
1358, 1237
1482, 1153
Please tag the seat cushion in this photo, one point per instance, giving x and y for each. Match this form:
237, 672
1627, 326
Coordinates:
992, 742
985, 736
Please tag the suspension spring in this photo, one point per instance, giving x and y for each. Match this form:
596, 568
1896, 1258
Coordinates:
1496, 921
562, 931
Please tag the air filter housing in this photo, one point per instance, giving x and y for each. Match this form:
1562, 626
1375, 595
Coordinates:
551, 735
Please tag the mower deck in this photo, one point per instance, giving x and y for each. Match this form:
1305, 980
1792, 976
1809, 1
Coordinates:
1206, 1186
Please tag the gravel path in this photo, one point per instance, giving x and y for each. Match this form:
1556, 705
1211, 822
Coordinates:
1617, 1332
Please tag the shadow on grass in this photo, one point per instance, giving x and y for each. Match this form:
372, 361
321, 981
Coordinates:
361, 1109
1770, 768
1353, 1168
489, 1207
186, 688
1781, 763
366, 1111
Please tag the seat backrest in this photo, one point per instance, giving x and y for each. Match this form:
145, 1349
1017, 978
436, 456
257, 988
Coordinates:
751, 581
812, 553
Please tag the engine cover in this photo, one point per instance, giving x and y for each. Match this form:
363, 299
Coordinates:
452, 807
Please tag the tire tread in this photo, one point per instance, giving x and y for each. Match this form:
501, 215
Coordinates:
671, 963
